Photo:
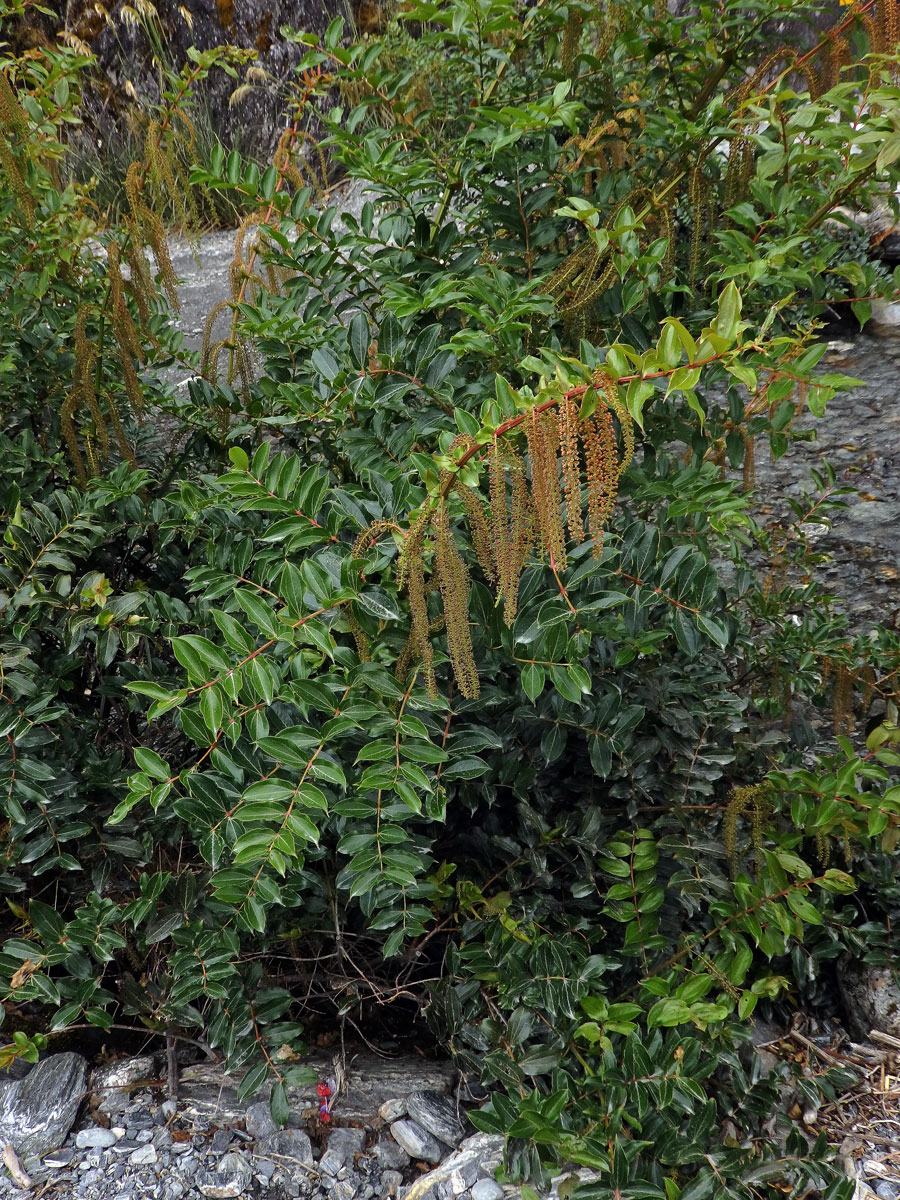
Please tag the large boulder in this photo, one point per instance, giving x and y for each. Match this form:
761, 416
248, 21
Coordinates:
37, 1112
871, 996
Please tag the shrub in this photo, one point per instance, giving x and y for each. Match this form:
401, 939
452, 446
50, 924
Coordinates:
467, 667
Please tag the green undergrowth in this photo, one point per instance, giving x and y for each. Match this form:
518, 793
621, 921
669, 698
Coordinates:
426, 650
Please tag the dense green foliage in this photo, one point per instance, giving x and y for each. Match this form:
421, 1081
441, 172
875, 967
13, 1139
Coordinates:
220, 744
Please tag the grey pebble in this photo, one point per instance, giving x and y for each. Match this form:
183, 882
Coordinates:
887, 1190
125, 1145
391, 1182
343, 1190
168, 1108
265, 1169
392, 1110
58, 1158
487, 1189
94, 1138
143, 1156
233, 1164
221, 1140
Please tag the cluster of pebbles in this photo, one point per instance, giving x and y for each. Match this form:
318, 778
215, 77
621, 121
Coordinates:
66, 1132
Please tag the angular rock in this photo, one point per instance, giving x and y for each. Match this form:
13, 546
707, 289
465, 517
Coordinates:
477, 1158
437, 1113
391, 1182
390, 1156
223, 1191
144, 1156
222, 1139
259, 1121
37, 1112
124, 1072
288, 1143
343, 1143
416, 1141
234, 1164
392, 1110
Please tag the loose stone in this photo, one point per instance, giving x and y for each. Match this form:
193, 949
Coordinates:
96, 1138
143, 1156
343, 1143
37, 1112
391, 1181
259, 1120
436, 1113
487, 1189
221, 1140
288, 1143
390, 1155
416, 1141
392, 1110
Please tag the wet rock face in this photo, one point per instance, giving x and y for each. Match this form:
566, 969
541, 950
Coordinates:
125, 57
255, 122
871, 998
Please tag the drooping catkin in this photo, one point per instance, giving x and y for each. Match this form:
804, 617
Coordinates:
155, 235
122, 323
609, 389
481, 533
571, 41
754, 798
360, 637
541, 432
602, 475
571, 467
453, 579
512, 523
370, 536
411, 575
749, 461
843, 717
697, 193
889, 19
12, 115
84, 387
16, 181
68, 428
874, 33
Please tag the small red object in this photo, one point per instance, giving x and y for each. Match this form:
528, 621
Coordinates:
325, 1116
323, 1090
